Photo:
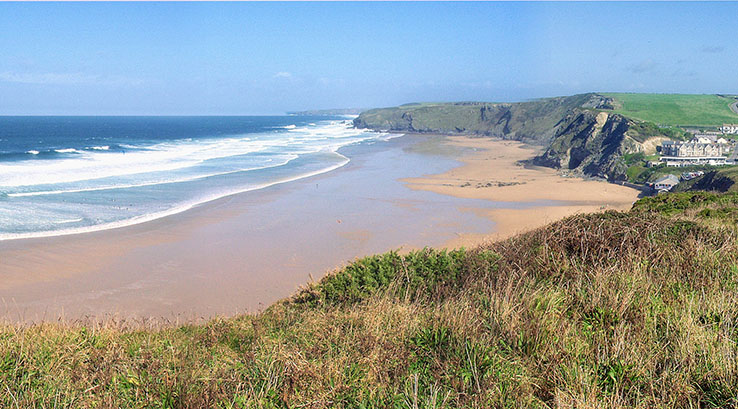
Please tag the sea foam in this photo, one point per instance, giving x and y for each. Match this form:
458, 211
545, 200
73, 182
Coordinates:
97, 187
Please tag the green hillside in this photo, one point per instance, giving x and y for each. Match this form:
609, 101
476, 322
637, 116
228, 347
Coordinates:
631, 309
676, 109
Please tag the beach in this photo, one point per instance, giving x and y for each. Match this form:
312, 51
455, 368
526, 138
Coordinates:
492, 170
243, 252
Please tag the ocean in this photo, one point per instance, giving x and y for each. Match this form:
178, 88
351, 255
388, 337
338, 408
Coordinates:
64, 175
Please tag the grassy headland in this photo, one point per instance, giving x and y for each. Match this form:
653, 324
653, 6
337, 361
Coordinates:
617, 309
676, 109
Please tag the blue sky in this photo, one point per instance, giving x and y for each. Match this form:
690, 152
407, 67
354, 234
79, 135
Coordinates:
266, 58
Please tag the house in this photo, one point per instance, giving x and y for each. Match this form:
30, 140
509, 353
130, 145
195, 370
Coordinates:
702, 138
709, 138
665, 183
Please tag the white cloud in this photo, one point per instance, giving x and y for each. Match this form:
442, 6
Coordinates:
283, 74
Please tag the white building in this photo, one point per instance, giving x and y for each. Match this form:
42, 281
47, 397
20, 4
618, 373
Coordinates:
708, 138
703, 149
681, 161
729, 128
695, 147
666, 183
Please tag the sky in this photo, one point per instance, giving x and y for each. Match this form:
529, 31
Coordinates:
268, 58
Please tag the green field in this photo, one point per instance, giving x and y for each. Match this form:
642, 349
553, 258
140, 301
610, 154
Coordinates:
676, 109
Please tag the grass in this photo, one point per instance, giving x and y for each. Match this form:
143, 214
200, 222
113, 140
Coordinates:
676, 109
642, 131
631, 309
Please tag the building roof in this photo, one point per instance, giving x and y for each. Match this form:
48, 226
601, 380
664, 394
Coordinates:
667, 180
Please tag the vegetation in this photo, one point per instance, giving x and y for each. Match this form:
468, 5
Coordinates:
643, 130
676, 109
533, 121
716, 178
617, 309
687, 204
720, 179
638, 173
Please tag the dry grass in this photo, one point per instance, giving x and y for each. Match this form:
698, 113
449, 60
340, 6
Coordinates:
606, 310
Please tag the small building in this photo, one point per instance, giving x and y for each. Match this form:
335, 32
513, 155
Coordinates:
665, 183
729, 128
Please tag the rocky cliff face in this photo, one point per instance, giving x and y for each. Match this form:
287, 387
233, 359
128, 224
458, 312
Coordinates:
591, 143
533, 121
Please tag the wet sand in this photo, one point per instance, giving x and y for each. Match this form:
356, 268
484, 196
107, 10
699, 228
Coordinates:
242, 253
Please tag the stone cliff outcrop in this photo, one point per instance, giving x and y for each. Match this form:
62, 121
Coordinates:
533, 121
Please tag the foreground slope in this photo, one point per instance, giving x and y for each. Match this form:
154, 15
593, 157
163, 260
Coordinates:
633, 309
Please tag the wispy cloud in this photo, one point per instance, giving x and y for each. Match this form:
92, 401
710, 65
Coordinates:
51, 78
643, 66
282, 74
709, 49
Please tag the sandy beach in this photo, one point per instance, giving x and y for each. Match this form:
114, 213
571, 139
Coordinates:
492, 170
243, 252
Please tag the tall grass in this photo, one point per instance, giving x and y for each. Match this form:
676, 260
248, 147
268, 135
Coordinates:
635, 309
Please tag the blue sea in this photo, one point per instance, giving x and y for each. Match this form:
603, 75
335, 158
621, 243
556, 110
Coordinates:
62, 175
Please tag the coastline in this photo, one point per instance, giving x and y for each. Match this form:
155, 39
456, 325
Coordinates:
163, 214
245, 251
235, 254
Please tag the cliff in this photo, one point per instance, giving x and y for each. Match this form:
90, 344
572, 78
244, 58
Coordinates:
327, 112
595, 143
532, 122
